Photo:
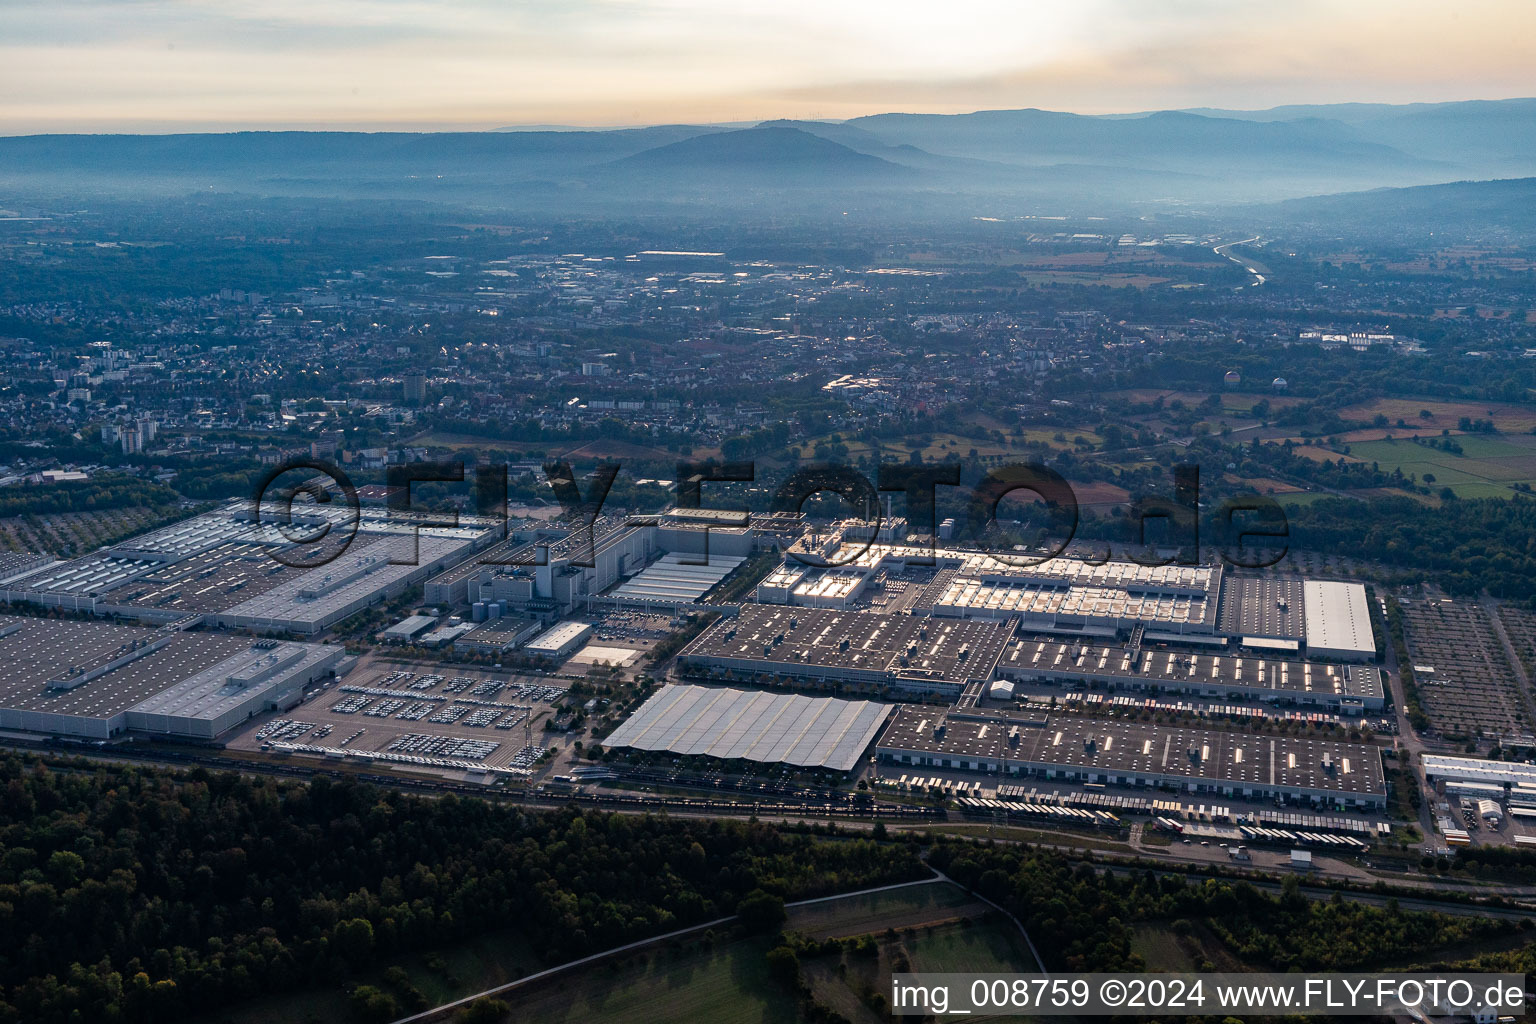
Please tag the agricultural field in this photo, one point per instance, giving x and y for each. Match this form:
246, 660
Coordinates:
1183, 948
875, 912
1318, 453
1099, 494
855, 984
75, 533
1507, 418
848, 983
1262, 484
1486, 466
987, 944
725, 980
1379, 493
1232, 402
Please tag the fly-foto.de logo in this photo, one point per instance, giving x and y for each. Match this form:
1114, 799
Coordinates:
318, 515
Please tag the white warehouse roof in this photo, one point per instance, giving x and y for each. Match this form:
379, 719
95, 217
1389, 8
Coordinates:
1478, 769
776, 728
676, 579
1338, 621
558, 637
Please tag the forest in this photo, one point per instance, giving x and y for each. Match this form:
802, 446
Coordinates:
139, 894
1465, 545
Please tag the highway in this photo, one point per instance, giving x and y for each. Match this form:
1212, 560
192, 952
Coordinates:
1252, 268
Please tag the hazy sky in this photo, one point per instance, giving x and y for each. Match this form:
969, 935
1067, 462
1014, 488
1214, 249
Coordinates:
132, 65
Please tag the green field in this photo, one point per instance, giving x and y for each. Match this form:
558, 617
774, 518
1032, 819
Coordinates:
1485, 467
935, 927
1481, 490
1444, 473
846, 983
726, 982
992, 944
1161, 949
1164, 949
898, 908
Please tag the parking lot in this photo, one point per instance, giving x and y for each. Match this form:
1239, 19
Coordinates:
419, 715
623, 627
1464, 678
895, 592
1038, 697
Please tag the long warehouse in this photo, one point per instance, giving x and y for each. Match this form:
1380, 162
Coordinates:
914, 655
1351, 689
1120, 753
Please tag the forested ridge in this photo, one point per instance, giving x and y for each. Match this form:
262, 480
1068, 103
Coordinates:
134, 894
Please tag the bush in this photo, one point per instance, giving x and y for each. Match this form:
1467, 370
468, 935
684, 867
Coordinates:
485, 1010
783, 966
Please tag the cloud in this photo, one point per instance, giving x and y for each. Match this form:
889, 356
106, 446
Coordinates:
98, 65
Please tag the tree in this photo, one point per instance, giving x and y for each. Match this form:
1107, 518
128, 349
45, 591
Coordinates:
761, 911
353, 941
373, 1006
65, 868
783, 965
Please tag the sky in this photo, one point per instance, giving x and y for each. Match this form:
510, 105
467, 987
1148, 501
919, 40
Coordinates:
212, 65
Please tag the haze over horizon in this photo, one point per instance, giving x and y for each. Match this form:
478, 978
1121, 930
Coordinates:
93, 66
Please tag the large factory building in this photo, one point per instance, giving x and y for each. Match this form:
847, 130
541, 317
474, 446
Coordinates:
97, 681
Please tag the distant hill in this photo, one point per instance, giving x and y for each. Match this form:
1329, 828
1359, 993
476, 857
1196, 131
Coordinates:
1290, 156
259, 154
994, 162
771, 153
1349, 113
1491, 208
1486, 138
